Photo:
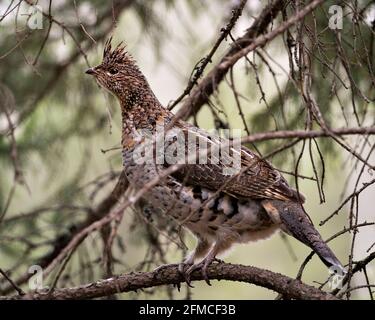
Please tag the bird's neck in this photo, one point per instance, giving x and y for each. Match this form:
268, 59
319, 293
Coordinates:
141, 110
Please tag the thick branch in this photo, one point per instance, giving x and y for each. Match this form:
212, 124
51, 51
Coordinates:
200, 95
167, 275
224, 32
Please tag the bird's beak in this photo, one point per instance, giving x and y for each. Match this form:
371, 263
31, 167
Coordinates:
90, 71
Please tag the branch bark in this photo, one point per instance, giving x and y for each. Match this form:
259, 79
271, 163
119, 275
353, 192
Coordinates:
167, 275
201, 93
254, 38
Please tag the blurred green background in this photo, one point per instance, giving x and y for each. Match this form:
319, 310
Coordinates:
64, 121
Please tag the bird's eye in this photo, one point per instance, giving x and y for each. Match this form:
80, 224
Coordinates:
113, 71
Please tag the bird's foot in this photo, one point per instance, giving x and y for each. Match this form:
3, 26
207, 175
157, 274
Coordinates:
218, 260
203, 266
187, 268
183, 268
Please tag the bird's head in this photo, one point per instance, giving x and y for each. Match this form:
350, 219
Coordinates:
119, 74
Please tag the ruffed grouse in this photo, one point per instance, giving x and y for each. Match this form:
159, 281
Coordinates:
220, 208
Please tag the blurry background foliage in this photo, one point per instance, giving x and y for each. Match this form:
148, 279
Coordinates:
64, 121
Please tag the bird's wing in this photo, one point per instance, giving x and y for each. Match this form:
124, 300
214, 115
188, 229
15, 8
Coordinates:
251, 177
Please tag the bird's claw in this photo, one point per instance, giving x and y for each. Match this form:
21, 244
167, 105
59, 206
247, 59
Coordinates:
183, 269
186, 269
218, 260
186, 273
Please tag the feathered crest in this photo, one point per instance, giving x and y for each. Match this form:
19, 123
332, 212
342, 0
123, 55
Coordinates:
118, 55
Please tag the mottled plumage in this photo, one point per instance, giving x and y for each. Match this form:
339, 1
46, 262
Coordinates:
219, 209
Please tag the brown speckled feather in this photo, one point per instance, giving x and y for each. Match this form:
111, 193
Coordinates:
257, 178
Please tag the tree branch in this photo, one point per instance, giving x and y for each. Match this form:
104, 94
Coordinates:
58, 70
63, 240
167, 275
224, 32
200, 94
302, 134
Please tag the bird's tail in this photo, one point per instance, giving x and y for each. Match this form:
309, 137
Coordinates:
296, 222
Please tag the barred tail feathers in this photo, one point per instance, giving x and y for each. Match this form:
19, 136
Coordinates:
296, 222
